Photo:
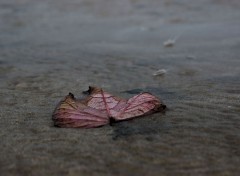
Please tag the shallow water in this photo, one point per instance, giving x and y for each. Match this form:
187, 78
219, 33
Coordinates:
50, 48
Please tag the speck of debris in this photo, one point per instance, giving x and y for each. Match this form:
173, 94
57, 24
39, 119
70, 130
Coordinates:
169, 43
160, 72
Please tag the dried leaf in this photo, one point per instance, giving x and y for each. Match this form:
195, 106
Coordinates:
99, 107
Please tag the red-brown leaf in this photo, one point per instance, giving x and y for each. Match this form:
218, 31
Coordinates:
99, 106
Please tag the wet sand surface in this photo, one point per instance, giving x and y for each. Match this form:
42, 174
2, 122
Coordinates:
51, 47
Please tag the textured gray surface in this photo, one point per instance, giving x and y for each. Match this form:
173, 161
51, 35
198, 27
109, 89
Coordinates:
51, 47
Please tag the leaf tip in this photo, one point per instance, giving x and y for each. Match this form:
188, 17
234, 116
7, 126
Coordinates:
71, 95
161, 107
